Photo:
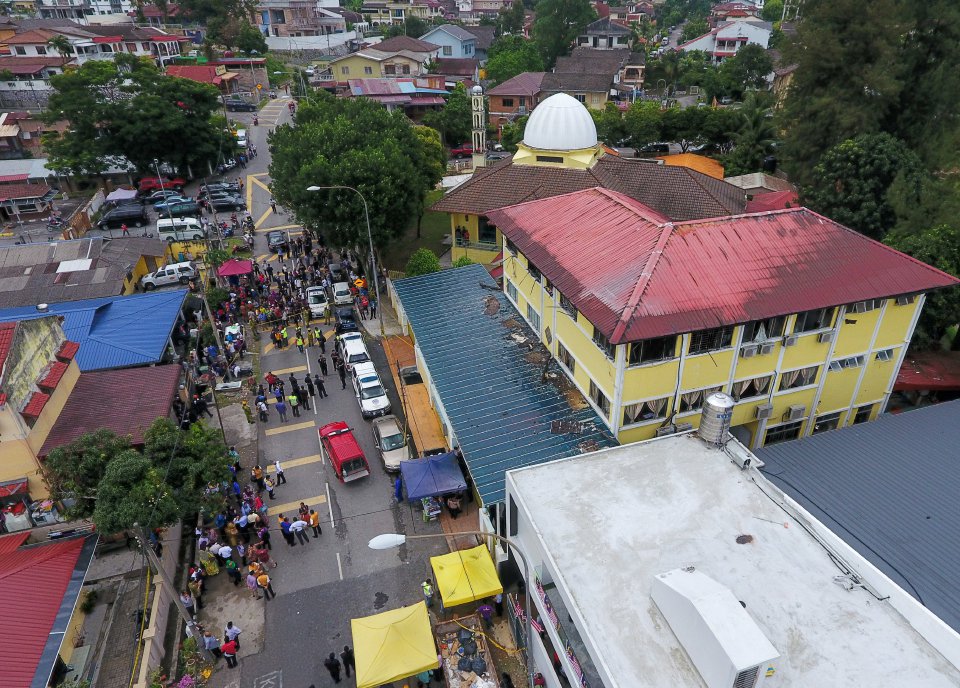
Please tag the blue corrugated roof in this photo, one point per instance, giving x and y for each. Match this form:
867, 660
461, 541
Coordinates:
487, 366
889, 489
114, 331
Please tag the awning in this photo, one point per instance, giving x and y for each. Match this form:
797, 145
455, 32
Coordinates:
933, 371
428, 100
432, 476
466, 575
9, 488
393, 645
121, 195
235, 266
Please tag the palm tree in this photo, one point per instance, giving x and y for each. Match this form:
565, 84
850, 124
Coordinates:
62, 45
754, 136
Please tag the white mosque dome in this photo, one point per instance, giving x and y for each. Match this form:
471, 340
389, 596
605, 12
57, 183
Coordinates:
561, 122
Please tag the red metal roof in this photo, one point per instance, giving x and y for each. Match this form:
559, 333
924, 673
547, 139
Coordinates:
136, 398
4, 178
35, 405
635, 275
10, 543
30, 618
933, 370
6, 341
8, 488
52, 378
774, 200
68, 350
204, 74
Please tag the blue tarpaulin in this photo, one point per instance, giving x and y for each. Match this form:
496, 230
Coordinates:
432, 476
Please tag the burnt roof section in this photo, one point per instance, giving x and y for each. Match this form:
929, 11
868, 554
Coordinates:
678, 193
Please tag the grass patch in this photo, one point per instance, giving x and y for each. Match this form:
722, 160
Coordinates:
433, 230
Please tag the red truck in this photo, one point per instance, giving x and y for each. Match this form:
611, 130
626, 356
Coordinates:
346, 456
150, 184
462, 151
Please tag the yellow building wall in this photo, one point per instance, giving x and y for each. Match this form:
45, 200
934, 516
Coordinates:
806, 352
73, 631
896, 322
838, 389
855, 338
756, 366
354, 65
19, 461
877, 378
478, 255
707, 370
651, 380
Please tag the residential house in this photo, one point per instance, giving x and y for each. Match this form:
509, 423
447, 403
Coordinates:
605, 34
296, 18
42, 585
250, 71
25, 201
472, 11
782, 77
514, 98
414, 97
82, 11
215, 75
623, 69
732, 11
726, 39
757, 183
396, 11
409, 44
454, 41
726, 576
485, 36
593, 90
791, 314
151, 15
454, 71
77, 269
20, 134
559, 154
700, 163
375, 63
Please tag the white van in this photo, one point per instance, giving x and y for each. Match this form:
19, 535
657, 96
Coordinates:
317, 300
242, 138
181, 229
170, 274
342, 295
369, 391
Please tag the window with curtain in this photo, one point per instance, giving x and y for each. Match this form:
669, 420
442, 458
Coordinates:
599, 398
642, 411
760, 331
710, 340
648, 350
793, 379
818, 319
693, 401
754, 387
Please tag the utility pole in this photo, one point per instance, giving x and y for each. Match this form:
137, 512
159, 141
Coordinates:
184, 614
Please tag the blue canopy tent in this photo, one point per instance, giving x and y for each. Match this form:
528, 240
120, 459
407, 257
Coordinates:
432, 476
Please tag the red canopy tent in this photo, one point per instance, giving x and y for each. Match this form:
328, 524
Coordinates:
233, 267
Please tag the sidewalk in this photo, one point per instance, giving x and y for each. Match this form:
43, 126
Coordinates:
391, 326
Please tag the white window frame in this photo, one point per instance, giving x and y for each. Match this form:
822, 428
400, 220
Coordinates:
659, 419
533, 317
512, 291
779, 380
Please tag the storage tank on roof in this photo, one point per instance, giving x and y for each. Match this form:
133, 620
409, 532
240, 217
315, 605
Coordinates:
715, 418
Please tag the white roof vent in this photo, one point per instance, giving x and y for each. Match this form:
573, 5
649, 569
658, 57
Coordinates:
720, 637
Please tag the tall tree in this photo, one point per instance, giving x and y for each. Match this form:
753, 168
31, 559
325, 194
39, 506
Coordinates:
434, 166
748, 69
753, 138
455, 120
511, 20
332, 144
510, 56
611, 126
557, 25
694, 29
62, 45
852, 182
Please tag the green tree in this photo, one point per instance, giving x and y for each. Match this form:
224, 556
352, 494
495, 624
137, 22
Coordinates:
413, 26
61, 44
332, 144
510, 56
772, 11
511, 20
557, 25
422, 262
694, 29
938, 246
611, 126
853, 180
672, 12
434, 166
250, 40
455, 120
463, 261
131, 493
748, 69
753, 138
512, 133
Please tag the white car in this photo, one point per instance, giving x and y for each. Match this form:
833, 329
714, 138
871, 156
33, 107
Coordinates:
342, 295
369, 391
353, 351
318, 301
391, 442
176, 273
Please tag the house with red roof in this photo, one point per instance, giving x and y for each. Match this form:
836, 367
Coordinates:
803, 323
515, 97
215, 75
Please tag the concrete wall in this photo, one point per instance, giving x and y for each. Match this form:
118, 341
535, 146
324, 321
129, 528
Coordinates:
161, 612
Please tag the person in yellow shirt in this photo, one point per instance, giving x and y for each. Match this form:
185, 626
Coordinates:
315, 523
265, 584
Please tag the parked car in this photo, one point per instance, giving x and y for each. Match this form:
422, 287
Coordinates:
161, 206
317, 301
654, 149
157, 196
345, 321
169, 274
369, 391
277, 241
391, 442
337, 273
310, 71
352, 350
226, 166
220, 187
239, 105
133, 215
220, 202
497, 155
183, 209
342, 296
151, 184
346, 456
464, 151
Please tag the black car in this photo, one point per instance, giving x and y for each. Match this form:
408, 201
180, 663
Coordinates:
185, 209
277, 241
345, 320
226, 203
218, 188
158, 196
337, 273
239, 105
132, 215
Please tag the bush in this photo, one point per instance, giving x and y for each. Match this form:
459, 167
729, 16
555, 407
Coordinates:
463, 261
422, 262
89, 602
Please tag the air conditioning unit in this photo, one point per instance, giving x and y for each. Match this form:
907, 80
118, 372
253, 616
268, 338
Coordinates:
796, 412
904, 300
859, 307
764, 411
766, 348
749, 351
667, 430
790, 339
827, 337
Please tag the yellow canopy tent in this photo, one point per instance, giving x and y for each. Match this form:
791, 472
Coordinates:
465, 575
393, 645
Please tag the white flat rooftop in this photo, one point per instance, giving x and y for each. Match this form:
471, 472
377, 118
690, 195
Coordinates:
614, 519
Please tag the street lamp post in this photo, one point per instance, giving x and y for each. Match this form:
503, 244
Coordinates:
373, 257
391, 540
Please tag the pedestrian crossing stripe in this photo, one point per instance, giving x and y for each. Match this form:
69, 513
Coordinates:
289, 428
293, 463
294, 506
287, 371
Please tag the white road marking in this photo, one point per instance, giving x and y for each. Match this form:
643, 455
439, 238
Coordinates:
339, 565
272, 680
329, 505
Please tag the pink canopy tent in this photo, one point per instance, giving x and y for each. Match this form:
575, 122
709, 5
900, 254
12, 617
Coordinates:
233, 267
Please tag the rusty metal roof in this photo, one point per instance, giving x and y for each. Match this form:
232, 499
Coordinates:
677, 192
635, 275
